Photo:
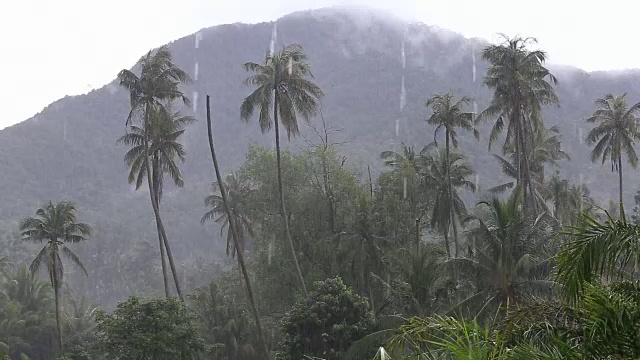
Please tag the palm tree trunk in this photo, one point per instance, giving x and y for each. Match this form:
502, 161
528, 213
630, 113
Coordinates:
620, 185
527, 168
234, 231
283, 210
452, 214
156, 211
56, 293
156, 185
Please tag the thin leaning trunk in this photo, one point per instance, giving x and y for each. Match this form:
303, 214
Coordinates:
156, 211
283, 210
236, 240
165, 276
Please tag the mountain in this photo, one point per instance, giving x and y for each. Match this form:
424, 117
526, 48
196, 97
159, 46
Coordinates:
68, 150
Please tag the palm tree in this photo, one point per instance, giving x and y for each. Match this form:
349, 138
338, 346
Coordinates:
440, 170
282, 85
448, 115
508, 260
157, 84
615, 133
521, 85
165, 129
408, 156
546, 149
233, 227
236, 188
57, 225
568, 200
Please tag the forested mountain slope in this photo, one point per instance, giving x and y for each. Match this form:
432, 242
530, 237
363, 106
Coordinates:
68, 151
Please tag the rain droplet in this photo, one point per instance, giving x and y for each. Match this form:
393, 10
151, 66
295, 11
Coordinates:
473, 59
477, 183
403, 94
198, 37
195, 101
269, 252
580, 135
397, 127
274, 38
290, 66
195, 72
403, 56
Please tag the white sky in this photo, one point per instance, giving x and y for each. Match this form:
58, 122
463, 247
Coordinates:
53, 48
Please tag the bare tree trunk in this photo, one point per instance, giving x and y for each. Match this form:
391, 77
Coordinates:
234, 231
156, 211
165, 276
283, 210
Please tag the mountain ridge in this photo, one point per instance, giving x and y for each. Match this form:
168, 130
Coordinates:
68, 150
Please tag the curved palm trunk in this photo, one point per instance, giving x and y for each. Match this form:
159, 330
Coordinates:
236, 240
156, 191
156, 211
452, 214
283, 210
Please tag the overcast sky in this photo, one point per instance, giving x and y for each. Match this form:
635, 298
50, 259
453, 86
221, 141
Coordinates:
53, 48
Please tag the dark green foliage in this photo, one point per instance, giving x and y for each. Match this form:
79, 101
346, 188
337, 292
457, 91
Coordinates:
154, 329
326, 323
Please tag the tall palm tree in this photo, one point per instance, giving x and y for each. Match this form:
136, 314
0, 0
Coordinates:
448, 114
165, 129
157, 85
236, 188
282, 86
233, 227
55, 224
615, 133
521, 85
440, 170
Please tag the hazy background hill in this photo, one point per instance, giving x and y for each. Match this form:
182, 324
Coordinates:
68, 150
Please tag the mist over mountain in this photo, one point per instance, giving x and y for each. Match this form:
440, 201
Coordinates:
68, 151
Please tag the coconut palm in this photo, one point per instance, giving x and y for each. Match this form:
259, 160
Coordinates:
508, 262
55, 224
615, 133
408, 156
26, 310
546, 149
568, 200
283, 86
448, 115
236, 189
521, 86
438, 171
157, 85
165, 129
